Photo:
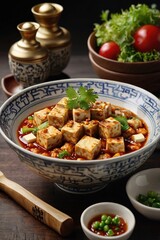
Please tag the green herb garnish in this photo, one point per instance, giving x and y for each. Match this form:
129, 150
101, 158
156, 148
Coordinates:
34, 129
63, 154
30, 117
151, 199
123, 121
83, 98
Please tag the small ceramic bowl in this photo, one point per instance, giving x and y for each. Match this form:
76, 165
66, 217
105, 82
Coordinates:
10, 86
107, 208
142, 74
141, 183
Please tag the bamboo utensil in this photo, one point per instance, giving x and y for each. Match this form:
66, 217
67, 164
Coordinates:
57, 220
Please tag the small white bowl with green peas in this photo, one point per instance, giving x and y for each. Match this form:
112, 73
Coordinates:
143, 190
107, 221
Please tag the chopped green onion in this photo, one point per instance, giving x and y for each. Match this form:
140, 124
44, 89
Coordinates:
30, 117
123, 121
151, 199
35, 129
27, 130
63, 154
43, 125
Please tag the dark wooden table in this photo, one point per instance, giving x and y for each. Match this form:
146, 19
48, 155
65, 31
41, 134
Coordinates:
17, 224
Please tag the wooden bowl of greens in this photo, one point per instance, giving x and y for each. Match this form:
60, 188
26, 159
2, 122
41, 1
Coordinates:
135, 62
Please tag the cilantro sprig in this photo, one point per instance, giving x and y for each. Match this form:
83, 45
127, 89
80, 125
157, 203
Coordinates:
82, 98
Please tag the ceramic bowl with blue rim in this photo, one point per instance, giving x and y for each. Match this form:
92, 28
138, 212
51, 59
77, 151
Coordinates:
88, 175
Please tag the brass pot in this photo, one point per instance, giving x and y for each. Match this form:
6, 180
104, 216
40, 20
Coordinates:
28, 60
55, 38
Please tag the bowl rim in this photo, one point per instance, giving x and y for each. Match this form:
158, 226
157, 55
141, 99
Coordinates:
129, 194
93, 161
4, 81
115, 204
92, 34
3, 85
122, 74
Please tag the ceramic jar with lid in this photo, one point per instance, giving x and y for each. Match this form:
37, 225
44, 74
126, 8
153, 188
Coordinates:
55, 38
28, 60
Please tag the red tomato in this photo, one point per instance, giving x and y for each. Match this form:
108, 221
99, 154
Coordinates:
110, 50
147, 38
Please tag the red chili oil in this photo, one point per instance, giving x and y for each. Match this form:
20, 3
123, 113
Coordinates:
122, 227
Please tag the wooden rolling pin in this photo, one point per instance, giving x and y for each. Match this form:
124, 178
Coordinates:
57, 220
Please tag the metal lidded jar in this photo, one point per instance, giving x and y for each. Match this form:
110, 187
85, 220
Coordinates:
28, 60
55, 38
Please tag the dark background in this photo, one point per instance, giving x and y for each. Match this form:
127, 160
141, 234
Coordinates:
78, 17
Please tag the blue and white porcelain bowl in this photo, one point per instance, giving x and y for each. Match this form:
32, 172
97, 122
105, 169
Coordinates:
88, 175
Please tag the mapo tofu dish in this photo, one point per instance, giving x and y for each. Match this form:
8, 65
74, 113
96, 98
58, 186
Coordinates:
81, 127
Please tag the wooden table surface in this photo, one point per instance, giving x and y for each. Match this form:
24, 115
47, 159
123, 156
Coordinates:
17, 224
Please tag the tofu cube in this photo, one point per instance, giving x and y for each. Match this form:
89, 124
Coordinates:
58, 116
115, 145
100, 110
135, 122
63, 102
123, 112
29, 138
88, 147
90, 127
49, 137
72, 131
139, 137
40, 116
109, 128
118, 112
80, 114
